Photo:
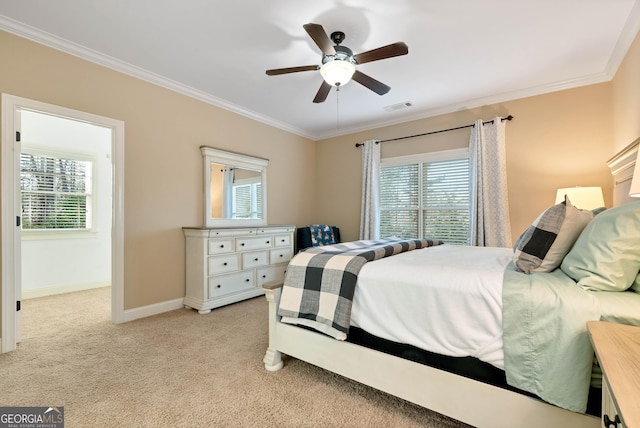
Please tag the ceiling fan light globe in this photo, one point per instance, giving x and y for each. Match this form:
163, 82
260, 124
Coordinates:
337, 72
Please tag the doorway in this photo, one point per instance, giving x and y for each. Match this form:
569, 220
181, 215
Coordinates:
105, 160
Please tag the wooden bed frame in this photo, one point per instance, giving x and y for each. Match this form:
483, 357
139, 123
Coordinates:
458, 397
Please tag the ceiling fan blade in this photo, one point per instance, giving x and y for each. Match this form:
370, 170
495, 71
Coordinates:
319, 36
389, 51
322, 92
277, 71
371, 83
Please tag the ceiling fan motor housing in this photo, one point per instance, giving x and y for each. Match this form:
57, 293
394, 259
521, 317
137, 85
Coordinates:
343, 53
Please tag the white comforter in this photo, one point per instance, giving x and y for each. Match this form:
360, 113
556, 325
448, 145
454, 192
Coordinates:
444, 299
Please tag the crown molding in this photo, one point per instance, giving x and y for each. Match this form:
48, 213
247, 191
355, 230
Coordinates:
71, 48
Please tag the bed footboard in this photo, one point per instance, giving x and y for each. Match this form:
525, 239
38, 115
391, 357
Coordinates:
469, 401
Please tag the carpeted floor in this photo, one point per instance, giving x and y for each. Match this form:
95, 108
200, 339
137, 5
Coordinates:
180, 369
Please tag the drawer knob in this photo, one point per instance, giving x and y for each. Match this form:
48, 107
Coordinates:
219, 286
281, 255
247, 280
268, 242
221, 245
242, 245
256, 259
224, 264
264, 276
611, 423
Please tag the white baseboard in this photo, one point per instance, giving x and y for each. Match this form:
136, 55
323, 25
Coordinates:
61, 289
155, 309
129, 314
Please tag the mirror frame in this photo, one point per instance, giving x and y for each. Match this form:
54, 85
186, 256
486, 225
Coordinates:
209, 155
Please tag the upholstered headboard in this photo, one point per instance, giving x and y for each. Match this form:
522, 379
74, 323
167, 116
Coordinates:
622, 165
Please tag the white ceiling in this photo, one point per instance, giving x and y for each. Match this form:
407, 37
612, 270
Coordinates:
462, 53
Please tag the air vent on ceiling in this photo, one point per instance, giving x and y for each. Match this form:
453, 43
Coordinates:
398, 106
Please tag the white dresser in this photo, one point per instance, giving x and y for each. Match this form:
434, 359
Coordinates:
226, 265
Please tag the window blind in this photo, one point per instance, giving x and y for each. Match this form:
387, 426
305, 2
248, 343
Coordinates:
446, 201
426, 199
399, 201
247, 200
55, 192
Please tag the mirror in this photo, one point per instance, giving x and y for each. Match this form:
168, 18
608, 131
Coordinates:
235, 189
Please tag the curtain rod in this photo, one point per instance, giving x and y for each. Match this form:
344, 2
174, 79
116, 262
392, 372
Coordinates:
436, 132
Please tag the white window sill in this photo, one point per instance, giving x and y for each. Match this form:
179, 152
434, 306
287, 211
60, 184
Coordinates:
32, 235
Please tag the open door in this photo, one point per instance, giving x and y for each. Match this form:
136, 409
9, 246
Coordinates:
10, 200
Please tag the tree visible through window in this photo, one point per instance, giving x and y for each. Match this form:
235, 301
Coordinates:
428, 199
56, 192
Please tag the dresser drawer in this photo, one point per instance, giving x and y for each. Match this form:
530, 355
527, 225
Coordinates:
224, 284
273, 273
224, 263
279, 255
219, 246
248, 244
254, 258
282, 240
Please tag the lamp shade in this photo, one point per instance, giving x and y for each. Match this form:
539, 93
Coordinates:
337, 72
585, 198
634, 190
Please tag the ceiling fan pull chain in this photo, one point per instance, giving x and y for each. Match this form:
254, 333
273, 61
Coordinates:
338, 106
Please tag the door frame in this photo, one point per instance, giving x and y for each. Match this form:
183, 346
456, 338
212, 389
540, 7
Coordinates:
11, 245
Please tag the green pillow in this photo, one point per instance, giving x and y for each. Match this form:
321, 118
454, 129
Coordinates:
606, 255
636, 284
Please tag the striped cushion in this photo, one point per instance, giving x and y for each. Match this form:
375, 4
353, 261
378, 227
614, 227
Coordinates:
542, 247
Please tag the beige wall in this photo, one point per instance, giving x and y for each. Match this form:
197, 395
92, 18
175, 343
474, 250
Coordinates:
560, 139
163, 164
555, 140
626, 99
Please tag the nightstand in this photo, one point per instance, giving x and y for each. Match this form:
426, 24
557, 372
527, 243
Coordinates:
617, 348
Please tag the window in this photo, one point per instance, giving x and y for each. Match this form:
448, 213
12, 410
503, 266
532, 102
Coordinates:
426, 197
56, 192
247, 199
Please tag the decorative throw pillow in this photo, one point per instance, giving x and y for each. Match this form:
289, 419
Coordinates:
321, 234
606, 256
544, 244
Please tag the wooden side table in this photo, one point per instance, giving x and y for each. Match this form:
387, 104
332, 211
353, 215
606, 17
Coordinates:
617, 347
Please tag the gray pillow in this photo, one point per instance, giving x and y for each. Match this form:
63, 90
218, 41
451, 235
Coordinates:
545, 243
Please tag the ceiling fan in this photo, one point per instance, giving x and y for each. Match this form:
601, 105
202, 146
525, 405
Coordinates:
339, 62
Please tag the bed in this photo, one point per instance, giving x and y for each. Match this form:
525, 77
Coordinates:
529, 326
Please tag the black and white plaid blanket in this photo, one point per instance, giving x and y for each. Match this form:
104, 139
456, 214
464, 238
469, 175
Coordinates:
320, 282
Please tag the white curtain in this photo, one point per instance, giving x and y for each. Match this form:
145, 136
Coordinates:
369, 216
490, 223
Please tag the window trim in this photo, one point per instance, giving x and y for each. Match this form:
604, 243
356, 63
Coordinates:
442, 155
35, 234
